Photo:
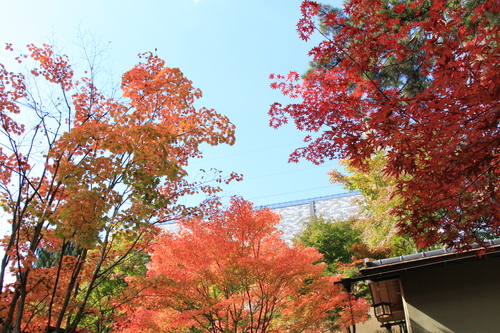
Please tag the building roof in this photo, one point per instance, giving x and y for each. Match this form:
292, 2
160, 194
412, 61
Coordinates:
385, 268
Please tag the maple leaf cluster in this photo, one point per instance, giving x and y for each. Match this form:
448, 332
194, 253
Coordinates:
232, 272
419, 81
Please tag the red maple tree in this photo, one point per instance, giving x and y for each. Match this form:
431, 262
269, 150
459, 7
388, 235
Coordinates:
231, 272
418, 80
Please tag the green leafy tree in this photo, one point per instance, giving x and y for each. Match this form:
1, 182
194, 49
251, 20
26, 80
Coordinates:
341, 244
333, 239
107, 299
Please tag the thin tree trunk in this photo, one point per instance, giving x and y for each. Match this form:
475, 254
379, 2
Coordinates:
69, 290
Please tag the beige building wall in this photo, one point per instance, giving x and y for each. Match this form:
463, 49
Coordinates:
454, 298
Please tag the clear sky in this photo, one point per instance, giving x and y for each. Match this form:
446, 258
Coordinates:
228, 48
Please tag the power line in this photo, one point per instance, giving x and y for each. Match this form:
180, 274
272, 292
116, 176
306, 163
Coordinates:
249, 152
325, 166
291, 192
282, 173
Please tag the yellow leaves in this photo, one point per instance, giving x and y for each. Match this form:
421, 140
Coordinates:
377, 219
82, 217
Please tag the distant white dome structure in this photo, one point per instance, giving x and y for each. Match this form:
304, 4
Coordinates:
295, 213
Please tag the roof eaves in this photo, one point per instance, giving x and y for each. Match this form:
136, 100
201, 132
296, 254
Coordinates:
428, 257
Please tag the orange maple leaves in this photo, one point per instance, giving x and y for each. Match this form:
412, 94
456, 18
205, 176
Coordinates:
55, 68
82, 171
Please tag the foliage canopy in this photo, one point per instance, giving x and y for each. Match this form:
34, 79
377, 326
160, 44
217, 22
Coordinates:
418, 80
231, 272
84, 177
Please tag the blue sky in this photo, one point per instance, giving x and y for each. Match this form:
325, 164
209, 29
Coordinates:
228, 48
